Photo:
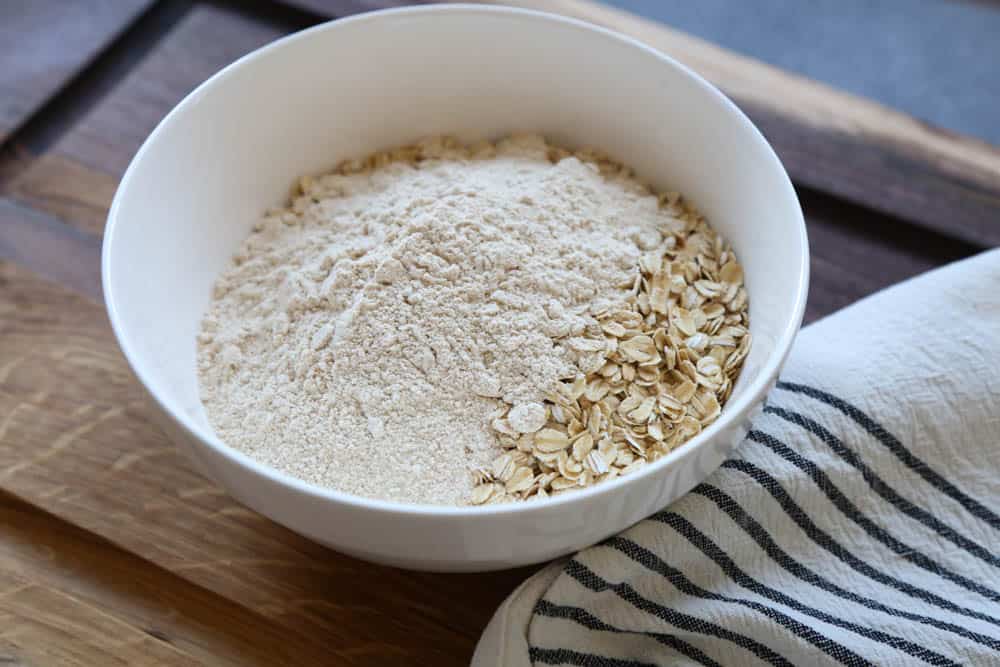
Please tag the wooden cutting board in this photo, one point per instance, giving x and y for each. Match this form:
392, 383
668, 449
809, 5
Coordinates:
113, 550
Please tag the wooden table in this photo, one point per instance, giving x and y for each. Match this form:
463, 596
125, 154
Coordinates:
112, 549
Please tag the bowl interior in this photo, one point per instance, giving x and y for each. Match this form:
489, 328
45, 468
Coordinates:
236, 145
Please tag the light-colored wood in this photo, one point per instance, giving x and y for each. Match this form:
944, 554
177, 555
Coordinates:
61, 187
39, 626
105, 584
44, 244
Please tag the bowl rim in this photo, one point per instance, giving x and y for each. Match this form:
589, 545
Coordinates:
753, 393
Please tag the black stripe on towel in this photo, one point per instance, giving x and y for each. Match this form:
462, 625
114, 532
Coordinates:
583, 617
700, 541
880, 487
652, 562
824, 540
908, 458
565, 656
587, 578
874, 530
750, 525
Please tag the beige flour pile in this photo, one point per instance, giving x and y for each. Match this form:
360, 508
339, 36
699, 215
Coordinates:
363, 338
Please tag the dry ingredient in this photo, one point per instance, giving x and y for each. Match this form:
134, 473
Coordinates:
672, 351
458, 324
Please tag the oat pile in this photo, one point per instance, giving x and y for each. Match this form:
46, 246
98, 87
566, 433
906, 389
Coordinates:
671, 354
458, 324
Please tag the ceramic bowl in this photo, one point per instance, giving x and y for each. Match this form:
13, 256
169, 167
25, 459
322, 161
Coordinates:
235, 145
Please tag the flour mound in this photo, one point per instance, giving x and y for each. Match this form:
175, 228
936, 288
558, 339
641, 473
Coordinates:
363, 338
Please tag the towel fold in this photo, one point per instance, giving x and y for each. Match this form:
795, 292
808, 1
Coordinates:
858, 523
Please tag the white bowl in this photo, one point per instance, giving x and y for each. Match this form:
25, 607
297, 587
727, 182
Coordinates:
235, 145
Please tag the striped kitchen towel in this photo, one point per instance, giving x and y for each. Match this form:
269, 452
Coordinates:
858, 523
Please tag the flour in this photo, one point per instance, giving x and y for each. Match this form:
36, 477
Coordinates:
363, 338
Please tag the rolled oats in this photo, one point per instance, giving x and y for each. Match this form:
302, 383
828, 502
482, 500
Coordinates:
667, 360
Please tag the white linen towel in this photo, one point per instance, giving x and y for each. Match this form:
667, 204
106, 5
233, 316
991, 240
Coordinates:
858, 523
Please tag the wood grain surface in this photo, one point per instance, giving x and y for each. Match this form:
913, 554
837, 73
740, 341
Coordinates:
44, 43
113, 550
105, 581
44, 244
